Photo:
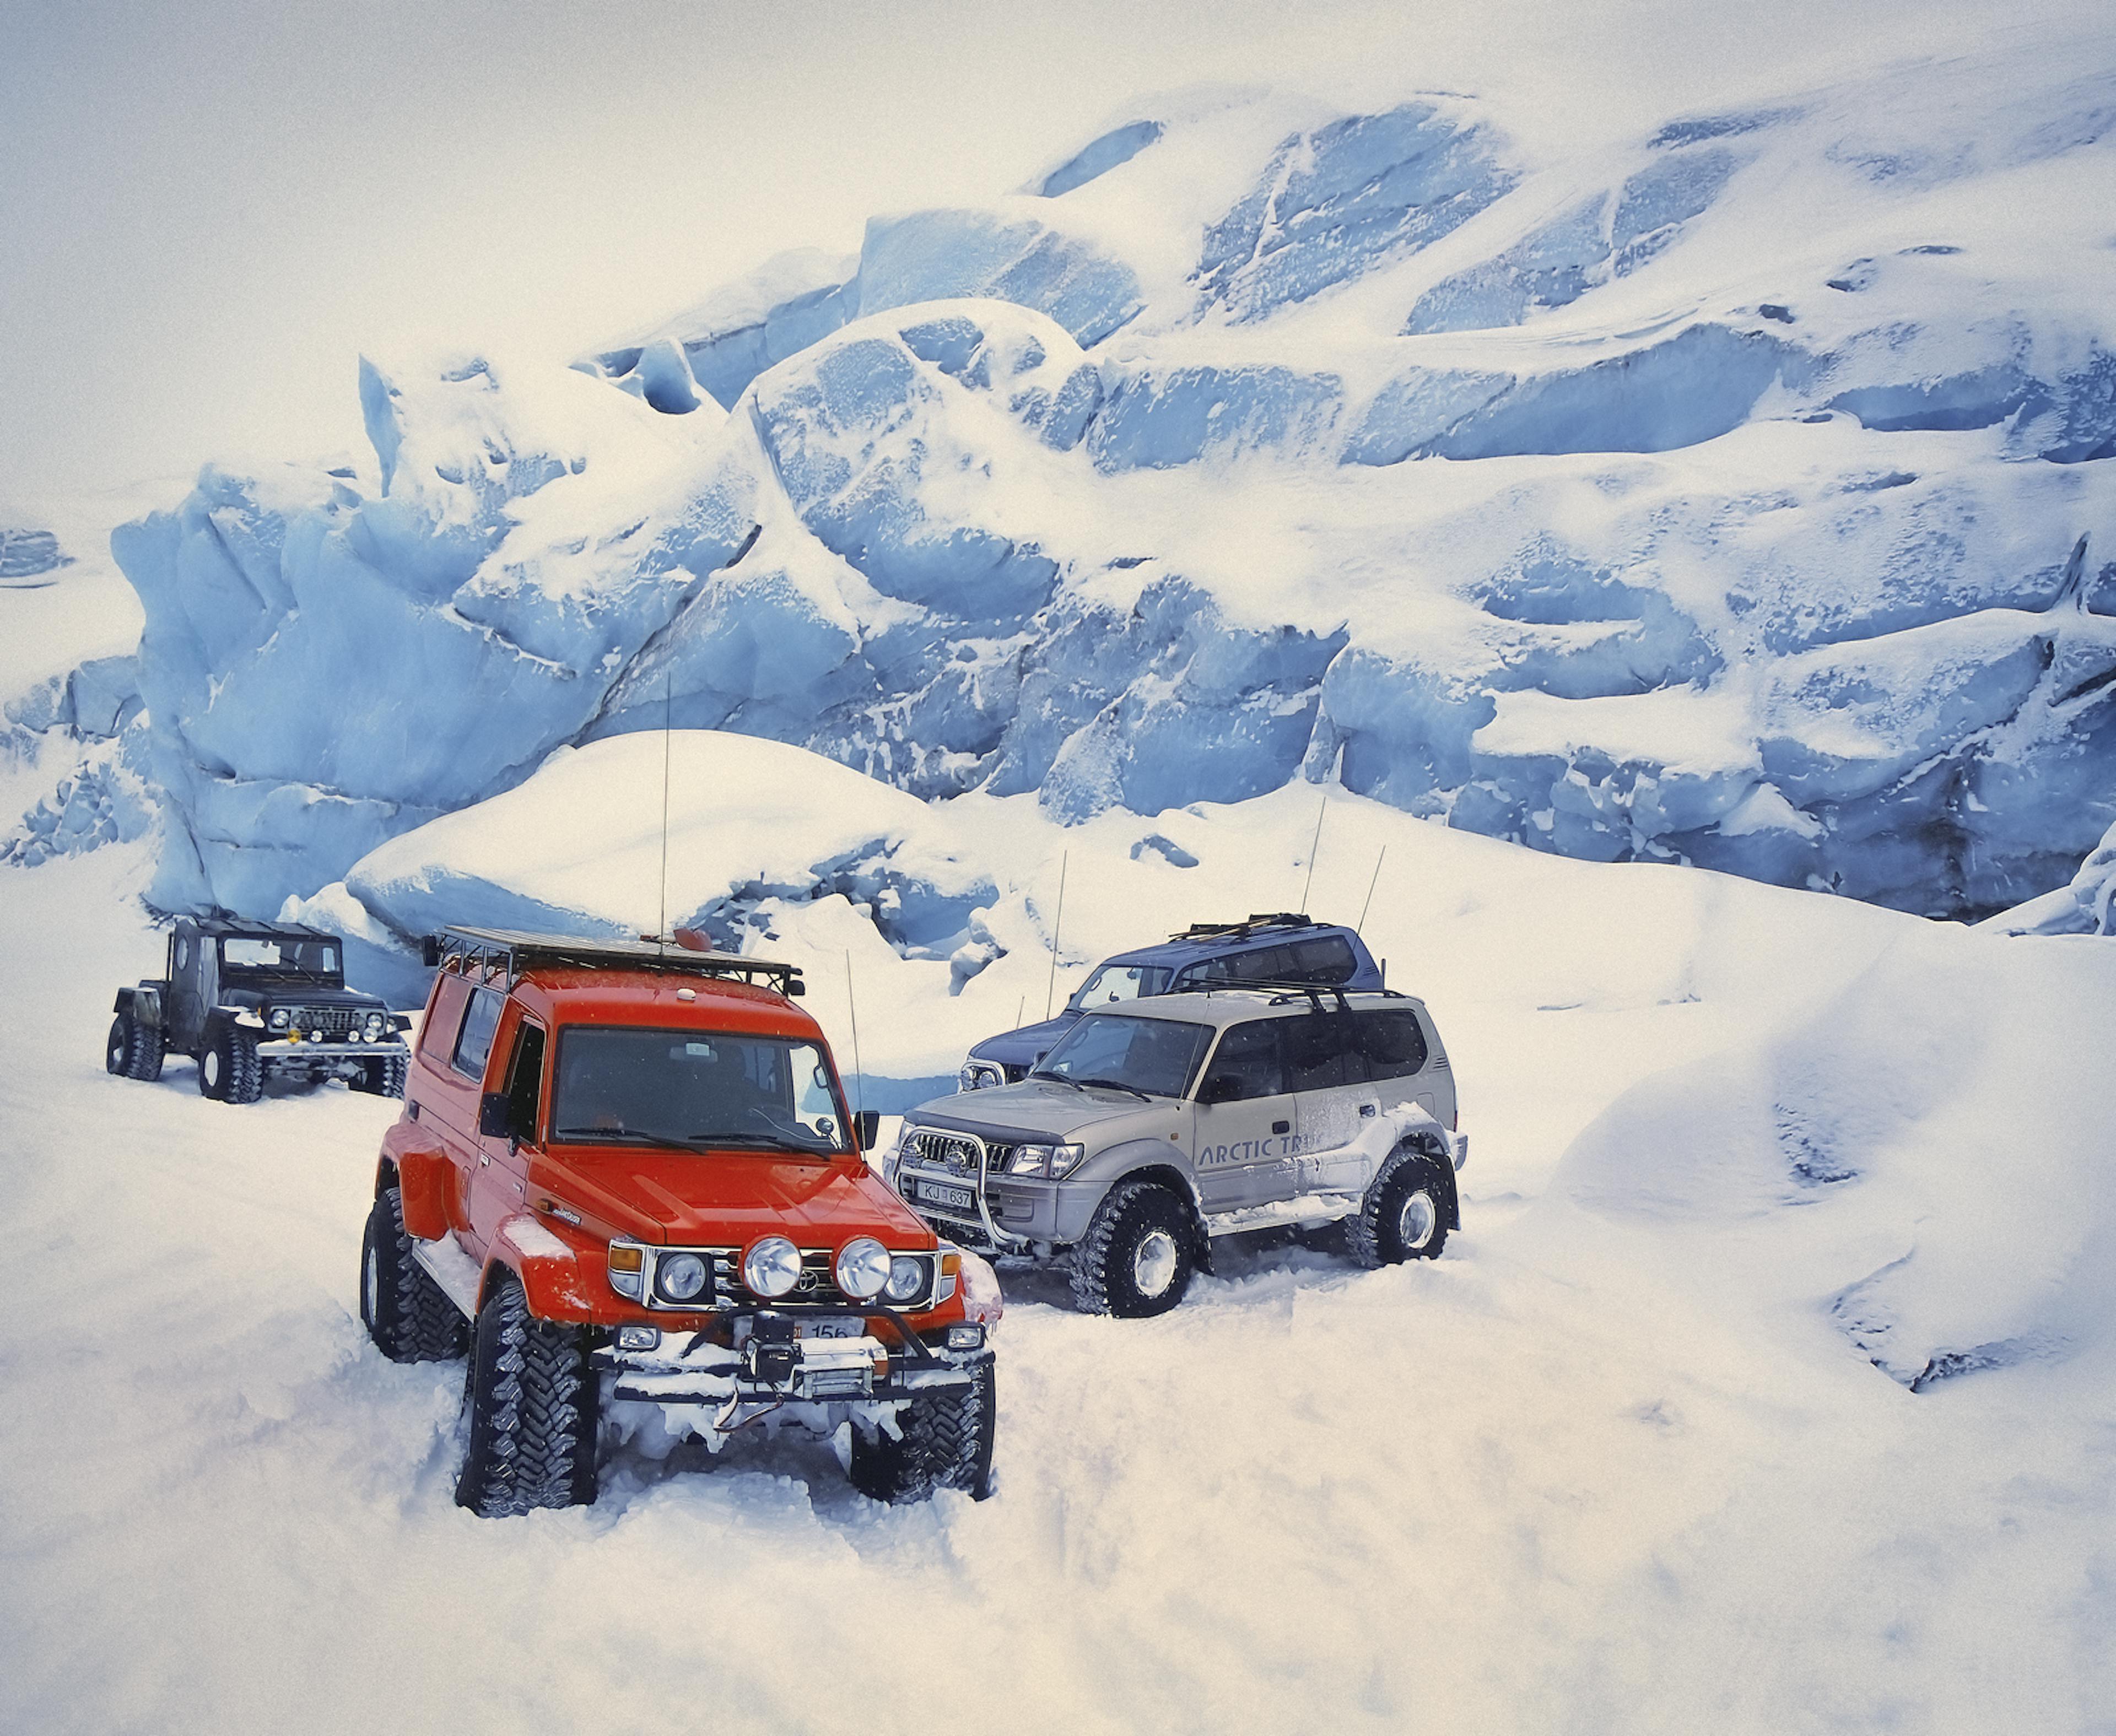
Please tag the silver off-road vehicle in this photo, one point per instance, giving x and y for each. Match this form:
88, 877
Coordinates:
1154, 1126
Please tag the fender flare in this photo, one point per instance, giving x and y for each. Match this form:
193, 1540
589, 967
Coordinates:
1420, 1149
550, 1268
421, 1171
1149, 1162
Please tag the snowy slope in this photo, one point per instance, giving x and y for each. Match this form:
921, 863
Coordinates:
1736, 494
1620, 1460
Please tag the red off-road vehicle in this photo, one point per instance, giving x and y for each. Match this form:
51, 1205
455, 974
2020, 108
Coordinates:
625, 1174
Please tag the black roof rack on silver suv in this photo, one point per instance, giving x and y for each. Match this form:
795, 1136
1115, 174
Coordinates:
512, 953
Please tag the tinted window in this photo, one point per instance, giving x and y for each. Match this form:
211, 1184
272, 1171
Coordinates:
1115, 982
1322, 1051
280, 958
1393, 1043
1262, 964
473, 1047
1327, 960
438, 1036
1248, 1055
1157, 1056
525, 1081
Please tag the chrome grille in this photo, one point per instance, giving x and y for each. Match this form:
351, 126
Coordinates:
331, 1020
934, 1149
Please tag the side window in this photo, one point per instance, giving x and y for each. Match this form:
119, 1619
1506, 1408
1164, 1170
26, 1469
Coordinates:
1328, 960
437, 1039
1322, 1052
1393, 1043
473, 1047
525, 1081
1248, 1055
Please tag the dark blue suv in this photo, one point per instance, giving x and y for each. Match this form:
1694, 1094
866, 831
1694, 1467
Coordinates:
1269, 948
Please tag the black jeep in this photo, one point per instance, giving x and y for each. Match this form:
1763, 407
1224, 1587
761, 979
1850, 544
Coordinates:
249, 998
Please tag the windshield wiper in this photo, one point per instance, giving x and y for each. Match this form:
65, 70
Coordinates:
1117, 1085
623, 1136
1037, 1072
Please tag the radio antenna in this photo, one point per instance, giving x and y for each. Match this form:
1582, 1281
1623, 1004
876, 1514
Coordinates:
1314, 850
668, 741
1371, 885
852, 1006
1050, 987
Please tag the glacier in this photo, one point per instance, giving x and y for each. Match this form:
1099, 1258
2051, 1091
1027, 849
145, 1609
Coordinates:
1739, 495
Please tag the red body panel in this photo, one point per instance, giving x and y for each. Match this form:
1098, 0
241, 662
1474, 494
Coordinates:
497, 1198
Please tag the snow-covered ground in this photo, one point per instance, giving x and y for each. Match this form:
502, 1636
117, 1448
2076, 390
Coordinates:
1622, 1459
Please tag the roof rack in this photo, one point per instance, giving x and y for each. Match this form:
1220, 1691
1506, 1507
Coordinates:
513, 953
1235, 931
1280, 991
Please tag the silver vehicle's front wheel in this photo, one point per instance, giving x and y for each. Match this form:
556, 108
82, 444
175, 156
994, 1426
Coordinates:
1137, 1255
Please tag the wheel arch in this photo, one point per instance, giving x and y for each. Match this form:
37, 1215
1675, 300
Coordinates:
1152, 1165
551, 1271
1427, 1150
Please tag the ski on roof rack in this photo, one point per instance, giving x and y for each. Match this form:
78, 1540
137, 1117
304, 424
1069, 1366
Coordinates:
512, 953
1218, 930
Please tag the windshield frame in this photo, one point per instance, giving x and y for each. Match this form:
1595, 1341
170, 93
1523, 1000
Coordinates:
1207, 1034
1162, 974
664, 1140
232, 970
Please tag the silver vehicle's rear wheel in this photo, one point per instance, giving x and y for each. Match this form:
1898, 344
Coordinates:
1417, 1219
1153, 1263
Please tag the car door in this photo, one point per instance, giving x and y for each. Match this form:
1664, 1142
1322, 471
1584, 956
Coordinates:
514, 1064
1243, 1139
1336, 1105
450, 1074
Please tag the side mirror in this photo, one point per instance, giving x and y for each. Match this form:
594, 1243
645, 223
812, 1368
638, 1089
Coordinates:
430, 951
492, 1117
1220, 1088
867, 1129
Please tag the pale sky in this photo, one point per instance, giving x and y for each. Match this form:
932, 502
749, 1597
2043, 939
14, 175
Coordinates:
208, 210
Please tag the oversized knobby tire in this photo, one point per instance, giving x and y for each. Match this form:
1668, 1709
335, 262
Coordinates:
143, 1060
383, 1079
408, 1315
229, 1068
533, 1401
1403, 1217
1138, 1255
946, 1444
118, 1052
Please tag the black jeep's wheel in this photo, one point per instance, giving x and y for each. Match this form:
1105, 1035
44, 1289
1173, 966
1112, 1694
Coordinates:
1404, 1216
534, 1401
143, 1059
118, 1052
408, 1315
1138, 1254
946, 1444
229, 1069
383, 1079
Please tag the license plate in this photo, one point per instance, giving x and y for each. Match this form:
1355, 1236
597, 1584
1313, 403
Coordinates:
941, 1194
838, 1329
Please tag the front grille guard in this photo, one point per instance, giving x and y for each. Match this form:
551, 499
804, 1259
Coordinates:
981, 1159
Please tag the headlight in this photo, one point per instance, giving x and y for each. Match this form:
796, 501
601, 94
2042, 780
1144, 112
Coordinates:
1053, 1161
280, 1018
977, 1075
628, 1260
680, 1277
863, 1268
772, 1267
372, 1026
907, 1279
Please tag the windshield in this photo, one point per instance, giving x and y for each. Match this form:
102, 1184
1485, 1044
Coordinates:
1115, 982
1156, 1056
619, 1085
241, 953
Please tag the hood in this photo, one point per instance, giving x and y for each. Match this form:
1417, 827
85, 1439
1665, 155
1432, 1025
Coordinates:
1028, 1046
1039, 1110
296, 994
724, 1199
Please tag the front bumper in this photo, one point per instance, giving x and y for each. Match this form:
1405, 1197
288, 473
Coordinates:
1007, 1213
692, 1369
287, 1048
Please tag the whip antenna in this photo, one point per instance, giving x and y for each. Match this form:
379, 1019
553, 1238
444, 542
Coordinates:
1050, 987
1371, 885
852, 1006
1313, 849
668, 739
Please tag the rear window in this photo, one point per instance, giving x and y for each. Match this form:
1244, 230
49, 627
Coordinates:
438, 1038
1393, 1043
473, 1047
1327, 959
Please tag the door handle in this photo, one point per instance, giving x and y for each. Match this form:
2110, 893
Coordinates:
483, 1160
1281, 1126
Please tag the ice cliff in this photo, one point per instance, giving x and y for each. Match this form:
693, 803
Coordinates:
1741, 495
